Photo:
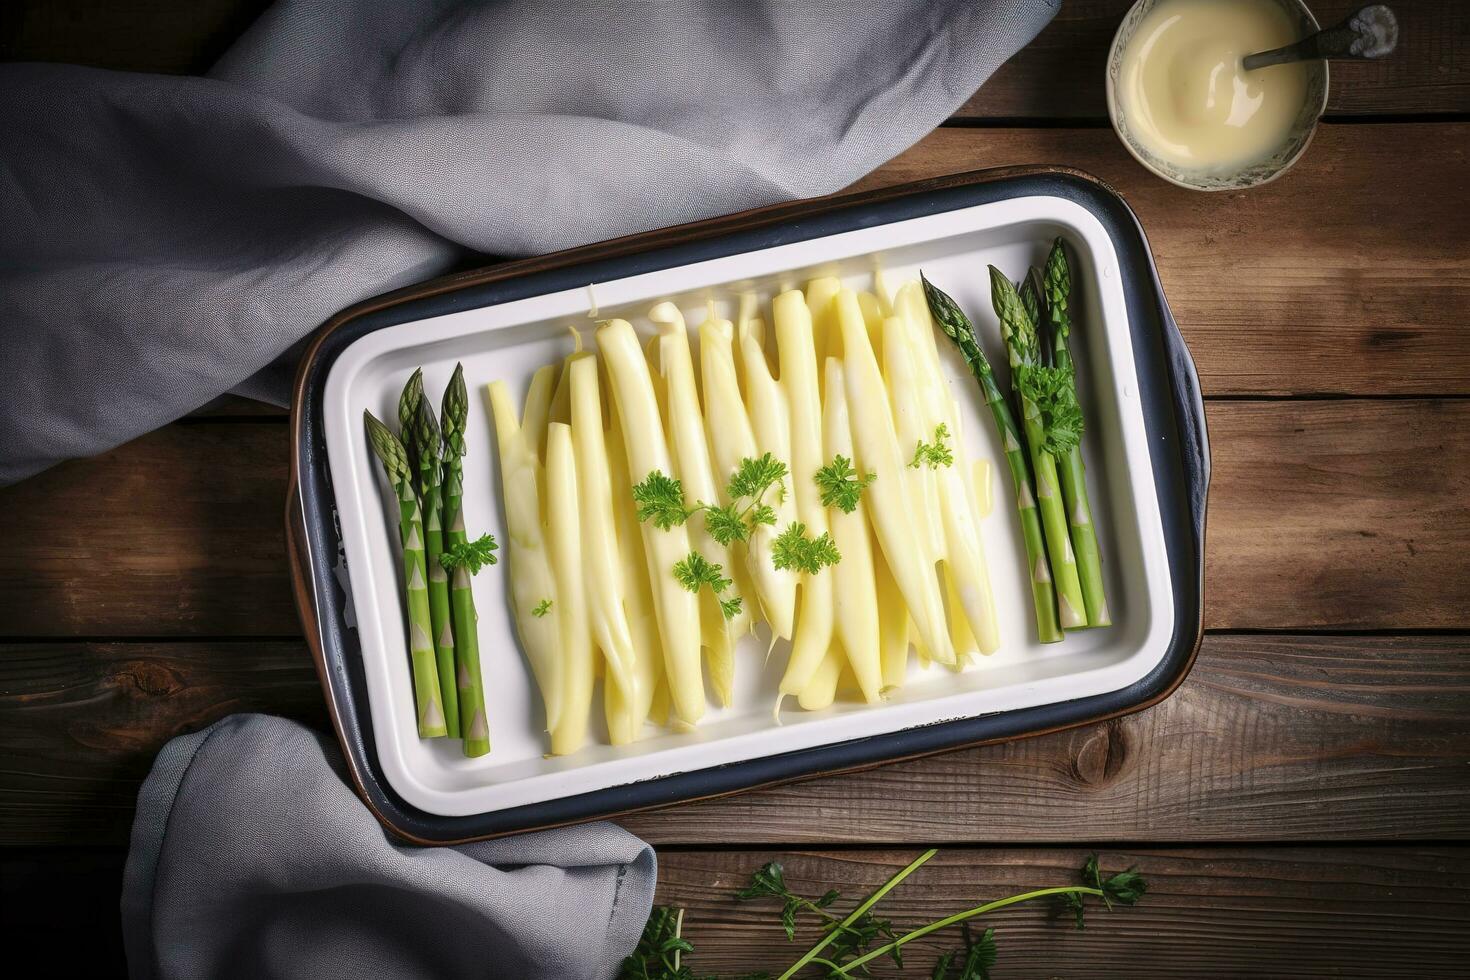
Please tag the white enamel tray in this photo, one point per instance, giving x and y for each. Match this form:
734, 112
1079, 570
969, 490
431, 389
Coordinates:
509, 340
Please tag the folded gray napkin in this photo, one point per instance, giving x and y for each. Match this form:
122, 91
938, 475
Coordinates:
165, 240
252, 858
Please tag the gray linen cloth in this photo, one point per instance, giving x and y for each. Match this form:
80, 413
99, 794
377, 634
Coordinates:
252, 858
164, 240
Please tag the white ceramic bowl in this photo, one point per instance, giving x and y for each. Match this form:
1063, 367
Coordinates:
1249, 175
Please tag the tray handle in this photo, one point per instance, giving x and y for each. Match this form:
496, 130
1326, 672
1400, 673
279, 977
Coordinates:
1189, 411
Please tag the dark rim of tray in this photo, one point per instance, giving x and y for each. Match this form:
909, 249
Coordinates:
1173, 416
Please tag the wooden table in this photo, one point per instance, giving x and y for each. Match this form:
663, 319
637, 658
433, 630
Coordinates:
1300, 804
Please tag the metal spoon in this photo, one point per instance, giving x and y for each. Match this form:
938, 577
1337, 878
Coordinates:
1371, 32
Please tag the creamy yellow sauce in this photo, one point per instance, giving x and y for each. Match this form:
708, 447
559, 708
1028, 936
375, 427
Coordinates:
1187, 98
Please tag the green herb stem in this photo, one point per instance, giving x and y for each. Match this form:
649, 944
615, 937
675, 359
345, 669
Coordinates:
854, 915
979, 910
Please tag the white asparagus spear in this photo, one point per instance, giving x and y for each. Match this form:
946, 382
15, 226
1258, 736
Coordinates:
601, 565
531, 580
625, 717
794, 346
901, 371
821, 689
731, 440
693, 470
854, 586
964, 553
876, 444
770, 419
563, 522
643, 438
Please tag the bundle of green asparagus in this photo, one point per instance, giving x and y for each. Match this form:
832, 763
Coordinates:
424, 465
1043, 452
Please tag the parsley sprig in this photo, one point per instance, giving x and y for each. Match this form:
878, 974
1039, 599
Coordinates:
795, 549
471, 555
849, 943
694, 571
934, 454
973, 960
660, 499
840, 484
542, 608
1054, 392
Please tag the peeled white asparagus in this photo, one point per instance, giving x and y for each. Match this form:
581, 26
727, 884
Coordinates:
872, 316
893, 623
826, 338
821, 689
570, 608
770, 419
538, 409
794, 346
601, 565
901, 371
625, 717
692, 468
854, 586
964, 552
731, 440
531, 580
647, 451
889, 503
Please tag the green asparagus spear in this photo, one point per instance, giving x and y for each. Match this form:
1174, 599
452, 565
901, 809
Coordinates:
957, 328
473, 723
426, 445
408, 407
1056, 288
1030, 378
428, 701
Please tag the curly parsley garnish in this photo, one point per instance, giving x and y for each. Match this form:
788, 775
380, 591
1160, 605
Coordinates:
795, 550
840, 484
934, 454
694, 571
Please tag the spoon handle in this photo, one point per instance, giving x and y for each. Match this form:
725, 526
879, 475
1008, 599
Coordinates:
1371, 32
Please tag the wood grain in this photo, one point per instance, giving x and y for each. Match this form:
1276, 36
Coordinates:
1341, 514
1348, 275
1060, 74
178, 532
1280, 912
1222, 912
81, 722
1271, 738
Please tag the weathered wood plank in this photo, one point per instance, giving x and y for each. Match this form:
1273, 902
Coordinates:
1271, 738
1341, 514
1221, 912
1060, 74
1057, 76
179, 532
81, 722
1345, 276
1226, 912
